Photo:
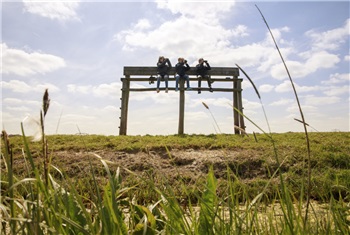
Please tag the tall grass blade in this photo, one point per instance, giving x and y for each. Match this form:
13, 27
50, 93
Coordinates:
302, 118
9, 163
258, 94
250, 80
207, 107
208, 205
114, 217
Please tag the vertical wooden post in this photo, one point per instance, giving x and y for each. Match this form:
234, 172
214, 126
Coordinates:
181, 106
240, 105
235, 105
125, 104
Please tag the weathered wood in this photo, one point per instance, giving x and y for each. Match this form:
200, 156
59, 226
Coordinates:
235, 105
181, 107
172, 78
148, 71
125, 105
193, 89
148, 74
240, 106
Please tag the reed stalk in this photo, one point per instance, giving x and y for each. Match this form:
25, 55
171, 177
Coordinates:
45, 108
207, 107
302, 118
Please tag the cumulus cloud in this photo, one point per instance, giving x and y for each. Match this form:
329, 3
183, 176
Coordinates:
287, 87
204, 23
337, 78
313, 62
143, 24
310, 61
282, 102
265, 88
23, 87
206, 11
331, 39
182, 36
15, 101
320, 100
19, 62
102, 90
337, 90
52, 9
319, 55
212, 102
187, 34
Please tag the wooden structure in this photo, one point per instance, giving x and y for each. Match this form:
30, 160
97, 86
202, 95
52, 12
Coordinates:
149, 74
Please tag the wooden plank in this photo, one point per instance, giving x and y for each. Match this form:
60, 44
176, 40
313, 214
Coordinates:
193, 89
218, 74
240, 107
124, 107
181, 107
148, 71
235, 105
172, 78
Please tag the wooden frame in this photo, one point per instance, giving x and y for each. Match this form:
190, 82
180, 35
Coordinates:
149, 74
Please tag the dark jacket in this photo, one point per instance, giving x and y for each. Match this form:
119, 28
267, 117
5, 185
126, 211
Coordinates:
182, 68
163, 68
202, 69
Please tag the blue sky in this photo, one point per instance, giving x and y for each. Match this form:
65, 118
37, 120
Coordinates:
77, 49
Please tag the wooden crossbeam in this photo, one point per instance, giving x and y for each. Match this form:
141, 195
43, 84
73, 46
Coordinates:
149, 73
217, 71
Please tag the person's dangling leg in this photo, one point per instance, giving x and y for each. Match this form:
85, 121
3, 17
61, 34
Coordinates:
177, 82
199, 84
209, 83
188, 81
158, 83
166, 78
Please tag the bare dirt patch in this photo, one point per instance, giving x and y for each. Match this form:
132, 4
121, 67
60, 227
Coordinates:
189, 163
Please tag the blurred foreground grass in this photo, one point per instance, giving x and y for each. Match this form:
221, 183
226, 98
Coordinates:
103, 194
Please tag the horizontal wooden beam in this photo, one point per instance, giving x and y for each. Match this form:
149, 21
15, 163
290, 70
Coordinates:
140, 79
148, 71
192, 89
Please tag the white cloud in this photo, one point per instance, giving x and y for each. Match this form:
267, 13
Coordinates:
108, 90
22, 87
79, 89
314, 61
277, 34
337, 78
103, 90
294, 109
15, 101
335, 90
320, 100
15, 61
211, 102
186, 35
265, 88
347, 58
143, 24
250, 105
52, 9
330, 40
167, 37
207, 11
316, 58
282, 102
287, 87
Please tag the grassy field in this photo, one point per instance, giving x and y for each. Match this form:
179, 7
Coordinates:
190, 184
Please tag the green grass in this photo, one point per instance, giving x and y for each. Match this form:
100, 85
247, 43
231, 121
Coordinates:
96, 196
